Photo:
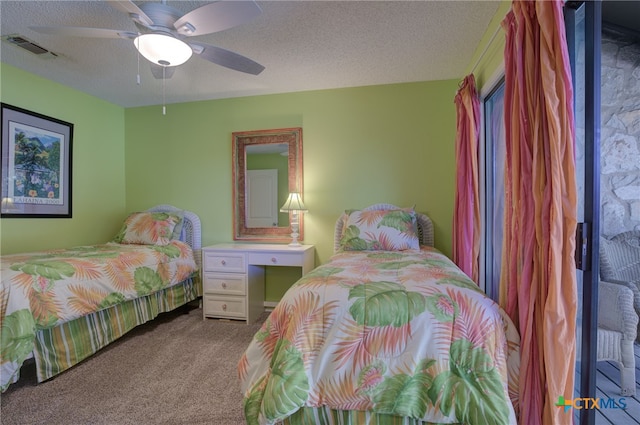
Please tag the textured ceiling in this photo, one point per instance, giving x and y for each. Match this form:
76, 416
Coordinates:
304, 45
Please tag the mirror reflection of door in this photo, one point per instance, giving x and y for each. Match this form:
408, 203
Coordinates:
266, 185
262, 195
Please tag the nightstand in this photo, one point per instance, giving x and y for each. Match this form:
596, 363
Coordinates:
233, 276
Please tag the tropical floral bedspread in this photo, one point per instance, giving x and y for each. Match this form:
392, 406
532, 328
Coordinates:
397, 333
43, 289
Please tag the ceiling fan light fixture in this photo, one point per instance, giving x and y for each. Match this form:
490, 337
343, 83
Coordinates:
163, 49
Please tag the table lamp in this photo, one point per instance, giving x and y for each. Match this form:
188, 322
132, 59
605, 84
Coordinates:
295, 206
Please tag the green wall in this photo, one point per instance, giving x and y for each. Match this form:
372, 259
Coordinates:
98, 185
365, 145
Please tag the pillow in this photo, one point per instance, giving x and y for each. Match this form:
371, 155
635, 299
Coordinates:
148, 228
380, 230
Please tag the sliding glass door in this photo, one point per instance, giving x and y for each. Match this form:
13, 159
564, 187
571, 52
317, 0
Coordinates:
583, 23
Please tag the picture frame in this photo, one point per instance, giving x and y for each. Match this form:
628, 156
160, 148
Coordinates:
255, 150
36, 155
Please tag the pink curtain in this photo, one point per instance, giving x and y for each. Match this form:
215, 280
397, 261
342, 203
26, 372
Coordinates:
466, 214
538, 271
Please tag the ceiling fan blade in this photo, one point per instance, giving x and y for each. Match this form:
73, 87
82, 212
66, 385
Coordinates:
132, 10
226, 58
85, 32
162, 72
217, 16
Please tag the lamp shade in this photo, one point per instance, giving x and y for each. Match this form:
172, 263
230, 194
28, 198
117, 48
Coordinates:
293, 203
163, 49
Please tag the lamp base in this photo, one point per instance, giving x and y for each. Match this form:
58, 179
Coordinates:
294, 240
294, 230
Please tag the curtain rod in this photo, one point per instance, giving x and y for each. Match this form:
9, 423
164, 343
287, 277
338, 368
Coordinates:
485, 48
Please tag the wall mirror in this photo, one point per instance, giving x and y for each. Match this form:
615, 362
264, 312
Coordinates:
267, 165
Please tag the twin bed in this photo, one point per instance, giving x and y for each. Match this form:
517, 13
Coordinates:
62, 306
389, 331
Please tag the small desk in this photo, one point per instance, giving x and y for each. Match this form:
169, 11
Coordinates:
233, 276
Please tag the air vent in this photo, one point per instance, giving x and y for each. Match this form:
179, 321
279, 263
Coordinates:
23, 42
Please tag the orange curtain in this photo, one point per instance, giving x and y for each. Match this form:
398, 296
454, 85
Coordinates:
466, 214
538, 272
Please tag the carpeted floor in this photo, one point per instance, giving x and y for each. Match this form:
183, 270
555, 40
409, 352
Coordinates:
176, 369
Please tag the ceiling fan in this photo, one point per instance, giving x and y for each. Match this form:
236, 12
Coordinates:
164, 33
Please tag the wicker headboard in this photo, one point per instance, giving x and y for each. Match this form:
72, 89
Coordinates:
191, 228
425, 226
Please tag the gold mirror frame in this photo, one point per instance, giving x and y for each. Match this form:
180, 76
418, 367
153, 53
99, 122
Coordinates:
240, 141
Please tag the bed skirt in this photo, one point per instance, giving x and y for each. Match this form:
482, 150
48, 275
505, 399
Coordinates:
59, 348
326, 416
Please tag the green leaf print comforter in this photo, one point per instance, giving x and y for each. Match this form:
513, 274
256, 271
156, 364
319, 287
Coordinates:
378, 335
41, 290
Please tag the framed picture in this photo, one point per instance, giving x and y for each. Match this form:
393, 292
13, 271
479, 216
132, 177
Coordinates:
36, 165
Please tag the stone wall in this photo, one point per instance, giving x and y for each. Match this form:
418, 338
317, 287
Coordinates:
620, 133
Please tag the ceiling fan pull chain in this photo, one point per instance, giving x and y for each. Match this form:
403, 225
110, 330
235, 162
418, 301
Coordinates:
138, 55
164, 107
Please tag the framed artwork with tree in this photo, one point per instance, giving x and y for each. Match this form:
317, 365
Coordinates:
36, 165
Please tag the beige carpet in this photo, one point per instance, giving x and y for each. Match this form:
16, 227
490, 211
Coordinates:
176, 369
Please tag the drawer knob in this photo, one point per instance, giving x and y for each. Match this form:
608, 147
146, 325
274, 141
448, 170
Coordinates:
224, 263
274, 260
224, 307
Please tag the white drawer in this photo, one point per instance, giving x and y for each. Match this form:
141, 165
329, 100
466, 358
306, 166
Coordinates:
230, 284
223, 262
221, 306
275, 259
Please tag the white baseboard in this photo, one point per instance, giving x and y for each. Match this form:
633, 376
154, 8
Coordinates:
270, 305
